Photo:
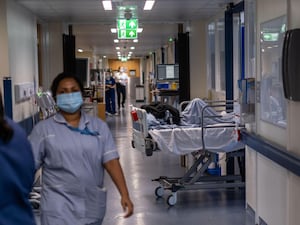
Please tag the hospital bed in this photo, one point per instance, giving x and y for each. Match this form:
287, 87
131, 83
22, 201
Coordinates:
204, 140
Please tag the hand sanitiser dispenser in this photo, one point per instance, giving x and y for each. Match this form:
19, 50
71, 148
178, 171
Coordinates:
291, 65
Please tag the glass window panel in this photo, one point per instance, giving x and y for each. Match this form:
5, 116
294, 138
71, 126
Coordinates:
211, 56
273, 103
221, 39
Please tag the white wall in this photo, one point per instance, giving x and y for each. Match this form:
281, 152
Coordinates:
294, 130
22, 46
271, 190
170, 51
18, 58
217, 92
198, 79
4, 68
52, 52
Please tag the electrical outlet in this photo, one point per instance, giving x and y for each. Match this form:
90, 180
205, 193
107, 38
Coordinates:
23, 91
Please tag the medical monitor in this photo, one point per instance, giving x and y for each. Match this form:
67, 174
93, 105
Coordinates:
167, 72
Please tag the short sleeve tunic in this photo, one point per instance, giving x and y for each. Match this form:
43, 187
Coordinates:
72, 168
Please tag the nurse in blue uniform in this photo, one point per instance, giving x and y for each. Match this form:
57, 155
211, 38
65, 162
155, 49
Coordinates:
16, 173
73, 149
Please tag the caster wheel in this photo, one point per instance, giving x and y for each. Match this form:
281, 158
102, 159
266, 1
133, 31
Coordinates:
154, 146
159, 192
171, 200
149, 152
132, 144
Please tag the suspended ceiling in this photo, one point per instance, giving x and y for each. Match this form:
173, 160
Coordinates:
91, 24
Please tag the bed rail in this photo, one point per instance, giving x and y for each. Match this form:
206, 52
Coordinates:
226, 105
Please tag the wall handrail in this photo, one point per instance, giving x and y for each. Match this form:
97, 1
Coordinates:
281, 156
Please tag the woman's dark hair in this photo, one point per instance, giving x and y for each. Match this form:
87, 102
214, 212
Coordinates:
6, 132
59, 78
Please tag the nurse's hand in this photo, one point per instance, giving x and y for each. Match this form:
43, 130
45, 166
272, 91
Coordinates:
127, 206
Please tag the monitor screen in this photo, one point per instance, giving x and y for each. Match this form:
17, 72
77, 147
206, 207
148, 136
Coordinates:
167, 72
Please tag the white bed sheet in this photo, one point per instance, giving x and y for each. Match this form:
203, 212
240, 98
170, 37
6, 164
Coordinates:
182, 141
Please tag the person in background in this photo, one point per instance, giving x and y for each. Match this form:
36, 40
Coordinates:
121, 83
16, 174
110, 96
73, 149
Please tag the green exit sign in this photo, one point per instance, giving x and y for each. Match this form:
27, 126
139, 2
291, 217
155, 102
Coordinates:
127, 24
127, 29
127, 34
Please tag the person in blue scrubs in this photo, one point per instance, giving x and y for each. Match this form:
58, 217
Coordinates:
110, 96
73, 149
16, 174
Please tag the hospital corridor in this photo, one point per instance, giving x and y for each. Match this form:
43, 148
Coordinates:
147, 112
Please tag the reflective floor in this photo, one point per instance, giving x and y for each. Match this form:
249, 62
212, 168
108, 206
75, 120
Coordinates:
209, 207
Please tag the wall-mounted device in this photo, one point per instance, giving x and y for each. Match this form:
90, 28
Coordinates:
167, 72
291, 65
23, 91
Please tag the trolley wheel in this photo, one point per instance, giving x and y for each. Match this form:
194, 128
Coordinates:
132, 144
171, 200
159, 192
149, 152
154, 146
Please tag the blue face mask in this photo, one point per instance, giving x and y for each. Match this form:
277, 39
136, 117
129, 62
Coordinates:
69, 102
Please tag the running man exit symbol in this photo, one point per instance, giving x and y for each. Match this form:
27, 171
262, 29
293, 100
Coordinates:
127, 29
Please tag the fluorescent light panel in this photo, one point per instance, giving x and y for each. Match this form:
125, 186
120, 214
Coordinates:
107, 5
149, 4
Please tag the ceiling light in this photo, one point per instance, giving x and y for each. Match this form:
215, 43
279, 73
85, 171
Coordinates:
116, 40
132, 47
148, 4
107, 5
80, 50
117, 48
135, 40
113, 30
104, 56
140, 30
